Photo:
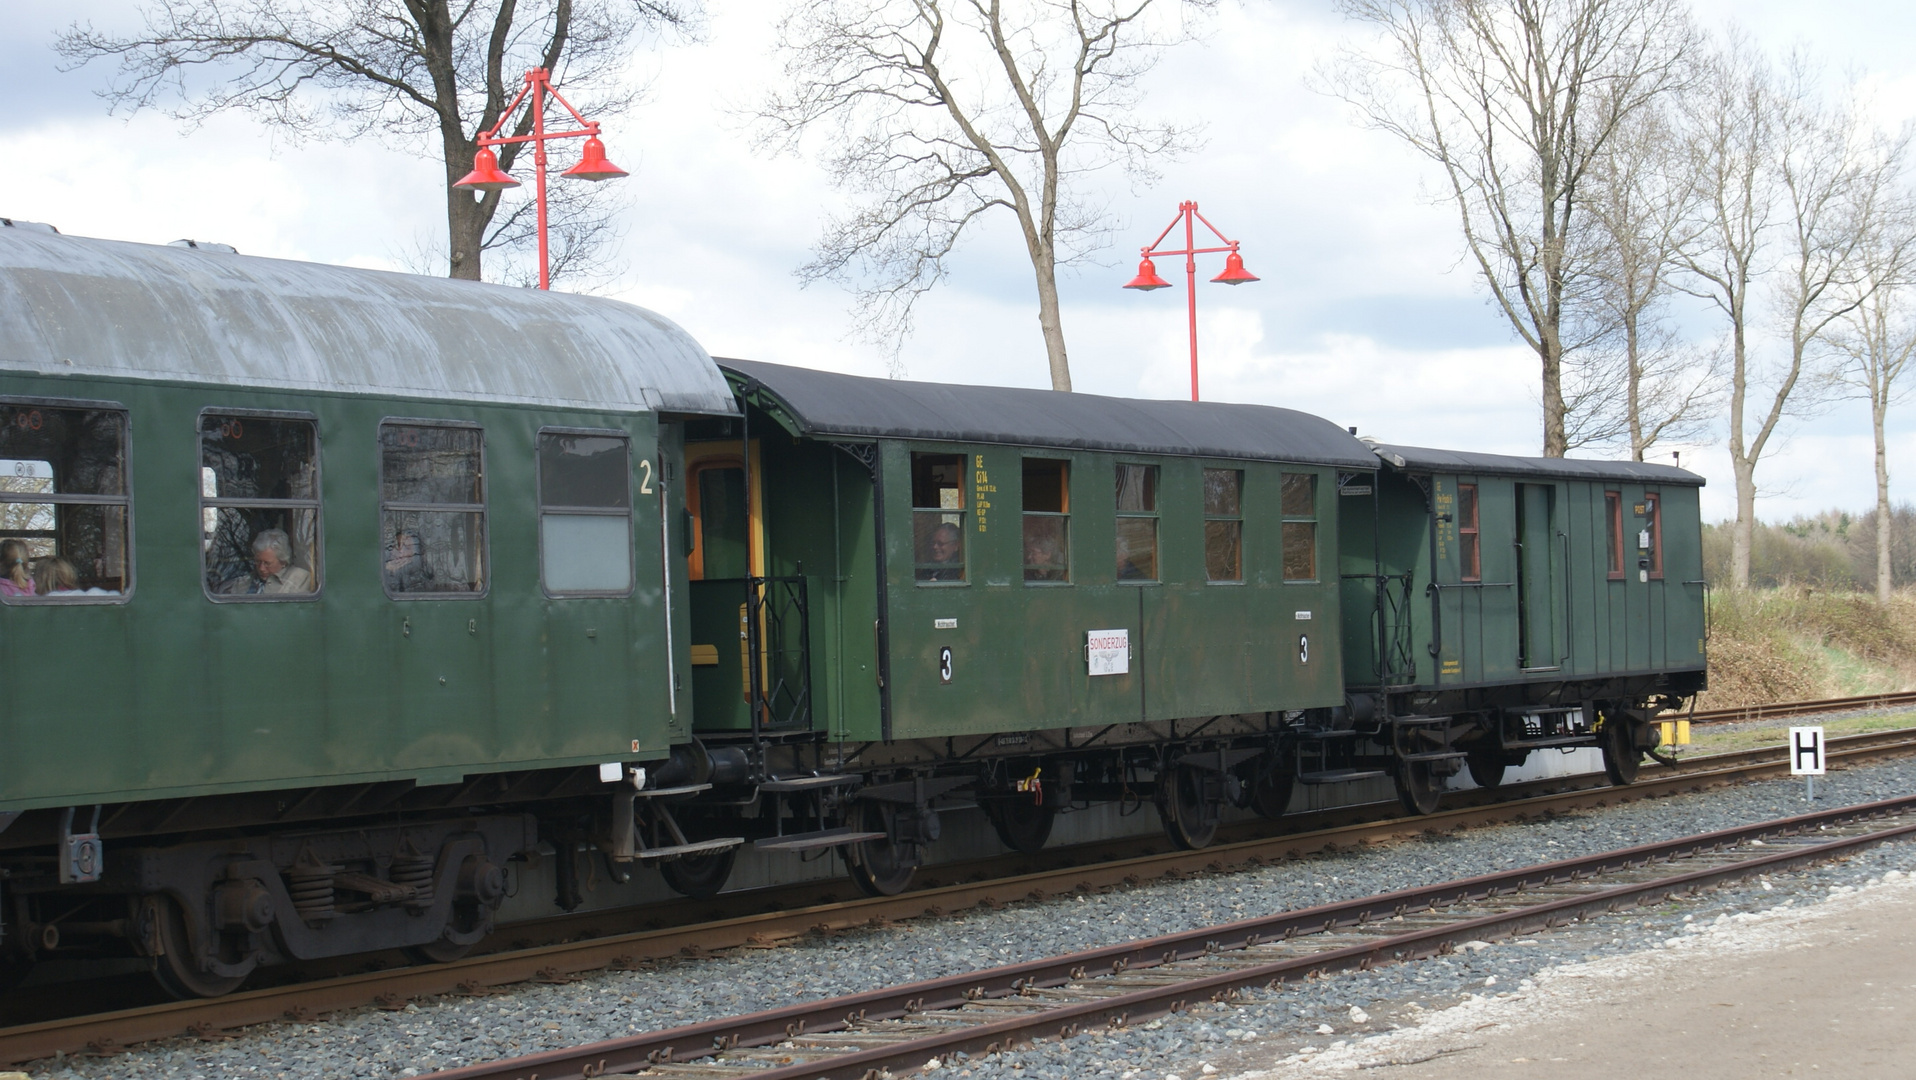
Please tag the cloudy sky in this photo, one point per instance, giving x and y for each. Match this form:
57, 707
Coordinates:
1365, 313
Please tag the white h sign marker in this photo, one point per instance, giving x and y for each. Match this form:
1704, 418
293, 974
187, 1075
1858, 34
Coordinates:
1806, 757
1806, 751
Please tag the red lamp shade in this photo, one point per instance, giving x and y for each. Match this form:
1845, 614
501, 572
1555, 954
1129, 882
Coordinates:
1147, 278
1234, 272
593, 165
485, 174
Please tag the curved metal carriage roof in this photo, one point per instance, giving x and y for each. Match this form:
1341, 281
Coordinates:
1425, 459
823, 404
71, 305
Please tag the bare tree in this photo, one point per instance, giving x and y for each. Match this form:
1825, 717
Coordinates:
936, 113
1639, 200
1516, 100
404, 70
1878, 339
1780, 166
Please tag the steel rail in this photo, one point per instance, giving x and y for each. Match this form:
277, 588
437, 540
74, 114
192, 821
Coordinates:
110, 1031
1064, 1019
1782, 710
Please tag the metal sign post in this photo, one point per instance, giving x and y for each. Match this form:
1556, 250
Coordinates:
1806, 756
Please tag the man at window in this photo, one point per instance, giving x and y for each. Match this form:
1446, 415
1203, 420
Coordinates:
946, 549
273, 570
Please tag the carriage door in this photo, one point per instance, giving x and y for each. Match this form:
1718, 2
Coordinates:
1536, 577
725, 547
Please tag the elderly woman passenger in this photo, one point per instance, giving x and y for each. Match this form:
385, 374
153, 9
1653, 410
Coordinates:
273, 569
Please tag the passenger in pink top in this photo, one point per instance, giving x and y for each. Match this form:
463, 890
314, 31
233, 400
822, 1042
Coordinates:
15, 578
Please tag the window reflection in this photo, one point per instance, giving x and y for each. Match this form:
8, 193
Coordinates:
432, 509
63, 503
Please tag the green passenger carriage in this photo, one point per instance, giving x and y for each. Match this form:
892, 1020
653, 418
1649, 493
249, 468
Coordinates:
468, 487
1497, 605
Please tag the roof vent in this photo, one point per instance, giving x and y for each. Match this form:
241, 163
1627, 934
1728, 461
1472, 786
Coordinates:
30, 226
205, 245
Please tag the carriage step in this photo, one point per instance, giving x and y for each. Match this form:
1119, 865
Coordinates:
699, 848
1336, 733
1338, 776
689, 789
812, 840
1419, 721
1214, 761
808, 783
1435, 755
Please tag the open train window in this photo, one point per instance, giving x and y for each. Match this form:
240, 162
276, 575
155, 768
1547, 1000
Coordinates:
1223, 526
1047, 520
1613, 516
1651, 539
432, 509
585, 513
938, 517
1298, 499
1137, 523
1469, 550
64, 503
259, 506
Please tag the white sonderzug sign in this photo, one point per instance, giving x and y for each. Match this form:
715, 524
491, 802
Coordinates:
1108, 652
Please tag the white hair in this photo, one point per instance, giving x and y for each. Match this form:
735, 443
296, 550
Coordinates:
278, 541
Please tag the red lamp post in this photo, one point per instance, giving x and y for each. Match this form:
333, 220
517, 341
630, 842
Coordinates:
486, 174
1148, 279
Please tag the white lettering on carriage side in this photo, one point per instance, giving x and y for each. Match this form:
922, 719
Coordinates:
944, 624
1301, 616
1108, 652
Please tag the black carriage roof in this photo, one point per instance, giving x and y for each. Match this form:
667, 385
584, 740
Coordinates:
71, 305
822, 404
1424, 459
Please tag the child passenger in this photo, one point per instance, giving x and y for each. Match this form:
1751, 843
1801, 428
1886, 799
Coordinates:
15, 576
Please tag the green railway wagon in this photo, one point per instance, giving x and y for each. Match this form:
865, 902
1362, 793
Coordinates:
1498, 605
330, 592
1037, 597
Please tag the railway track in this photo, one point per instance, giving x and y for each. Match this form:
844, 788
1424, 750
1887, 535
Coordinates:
1746, 713
108, 1032
901, 1029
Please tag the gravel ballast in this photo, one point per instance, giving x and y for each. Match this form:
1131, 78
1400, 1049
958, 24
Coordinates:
1267, 1025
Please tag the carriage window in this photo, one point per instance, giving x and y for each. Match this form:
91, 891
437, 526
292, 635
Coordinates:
585, 514
259, 507
938, 516
1299, 503
1469, 550
432, 510
721, 545
1137, 523
1047, 520
63, 504
1223, 525
1652, 538
1613, 514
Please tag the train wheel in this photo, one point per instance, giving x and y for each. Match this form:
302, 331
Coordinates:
699, 876
1271, 786
1190, 807
1022, 824
1620, 754
177, 967
880, 867
1486, 767
1418, 788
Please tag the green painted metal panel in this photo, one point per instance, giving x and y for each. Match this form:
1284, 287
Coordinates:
188, 696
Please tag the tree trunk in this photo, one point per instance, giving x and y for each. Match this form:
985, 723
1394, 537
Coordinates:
1044, 267
1877, 409
466, 228
1743, 536
1555, 442
1634, 388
